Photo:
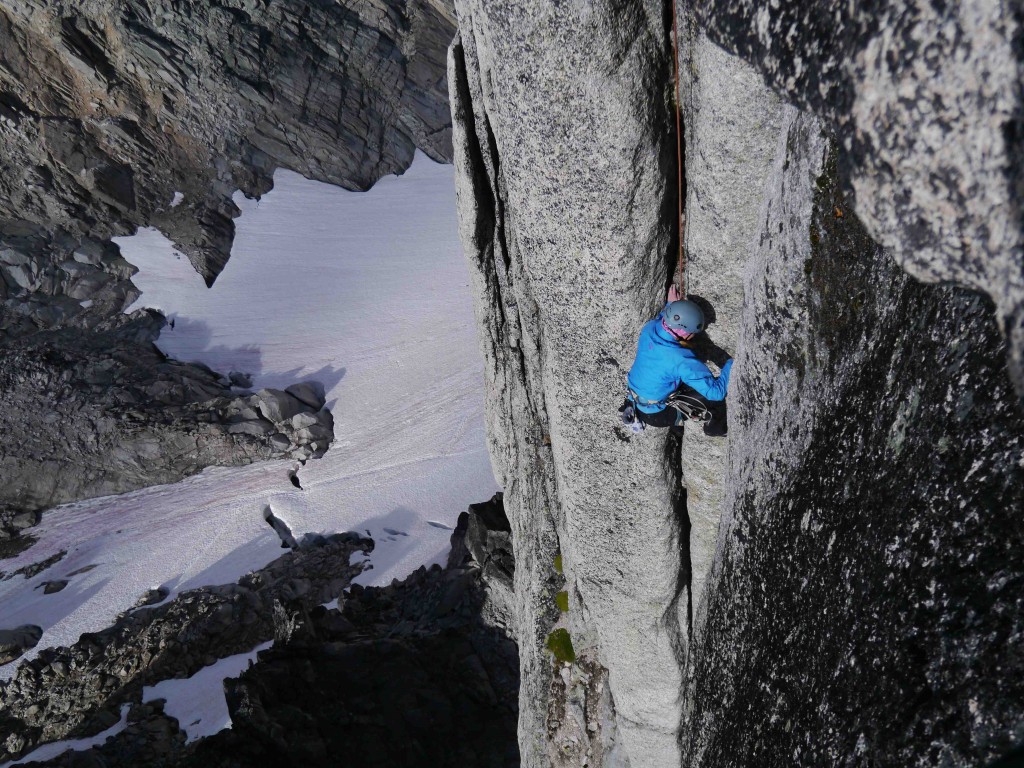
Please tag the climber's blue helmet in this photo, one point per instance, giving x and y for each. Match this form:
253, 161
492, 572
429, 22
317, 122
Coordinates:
683, 318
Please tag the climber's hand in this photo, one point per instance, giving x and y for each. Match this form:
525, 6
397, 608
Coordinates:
719, 357
673, 294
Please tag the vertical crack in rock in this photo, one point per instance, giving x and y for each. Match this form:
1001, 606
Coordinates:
733, 122
679, 621
563, 139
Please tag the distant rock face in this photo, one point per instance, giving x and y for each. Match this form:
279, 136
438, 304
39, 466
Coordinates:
77, 690
115, 116
412, 674
14, 642
50, 282
409, 674
927, 99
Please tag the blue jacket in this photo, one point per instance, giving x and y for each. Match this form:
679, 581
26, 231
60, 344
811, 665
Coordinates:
662, 364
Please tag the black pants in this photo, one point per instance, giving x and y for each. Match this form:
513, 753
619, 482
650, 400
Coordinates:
718, 426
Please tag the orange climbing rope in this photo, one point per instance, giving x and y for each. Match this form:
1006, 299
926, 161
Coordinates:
680, 279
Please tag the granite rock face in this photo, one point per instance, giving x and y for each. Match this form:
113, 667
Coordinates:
114, 116
733, 123
859, 522
870, 525
563, 150
927, 100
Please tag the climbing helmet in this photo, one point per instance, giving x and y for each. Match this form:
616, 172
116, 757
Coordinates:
683, 316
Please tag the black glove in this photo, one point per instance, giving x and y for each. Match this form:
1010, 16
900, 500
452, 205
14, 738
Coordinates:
723, 358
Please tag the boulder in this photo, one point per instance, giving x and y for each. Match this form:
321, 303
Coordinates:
277, 406
14, 642
257, 428
308, 392
50, 587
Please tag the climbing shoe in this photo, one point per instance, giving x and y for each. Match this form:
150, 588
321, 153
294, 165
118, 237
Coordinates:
627, 412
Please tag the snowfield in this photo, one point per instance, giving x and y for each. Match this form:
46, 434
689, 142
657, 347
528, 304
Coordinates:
364, 292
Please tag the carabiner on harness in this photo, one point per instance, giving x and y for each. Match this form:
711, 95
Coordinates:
690, 407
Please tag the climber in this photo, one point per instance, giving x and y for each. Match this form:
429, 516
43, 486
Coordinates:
668, 383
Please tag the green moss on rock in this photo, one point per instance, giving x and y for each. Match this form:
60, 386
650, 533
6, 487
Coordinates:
560, 644
562, 601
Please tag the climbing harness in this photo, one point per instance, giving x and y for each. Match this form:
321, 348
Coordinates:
690, 407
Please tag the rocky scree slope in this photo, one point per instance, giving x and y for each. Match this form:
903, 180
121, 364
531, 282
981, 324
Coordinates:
76, 691
119, 116
859, 522
419, 673
88, 413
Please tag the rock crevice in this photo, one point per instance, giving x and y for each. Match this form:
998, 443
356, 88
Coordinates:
574, 259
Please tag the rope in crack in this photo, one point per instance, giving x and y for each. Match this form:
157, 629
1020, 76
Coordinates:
669, 383
680, 277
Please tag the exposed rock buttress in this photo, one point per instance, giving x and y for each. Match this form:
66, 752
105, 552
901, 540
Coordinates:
859, 523
563, 154
132, 114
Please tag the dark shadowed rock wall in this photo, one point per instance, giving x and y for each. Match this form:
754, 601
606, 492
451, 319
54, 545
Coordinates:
865, 606
413, 675
927, 102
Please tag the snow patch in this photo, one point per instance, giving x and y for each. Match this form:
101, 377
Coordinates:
198, 702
